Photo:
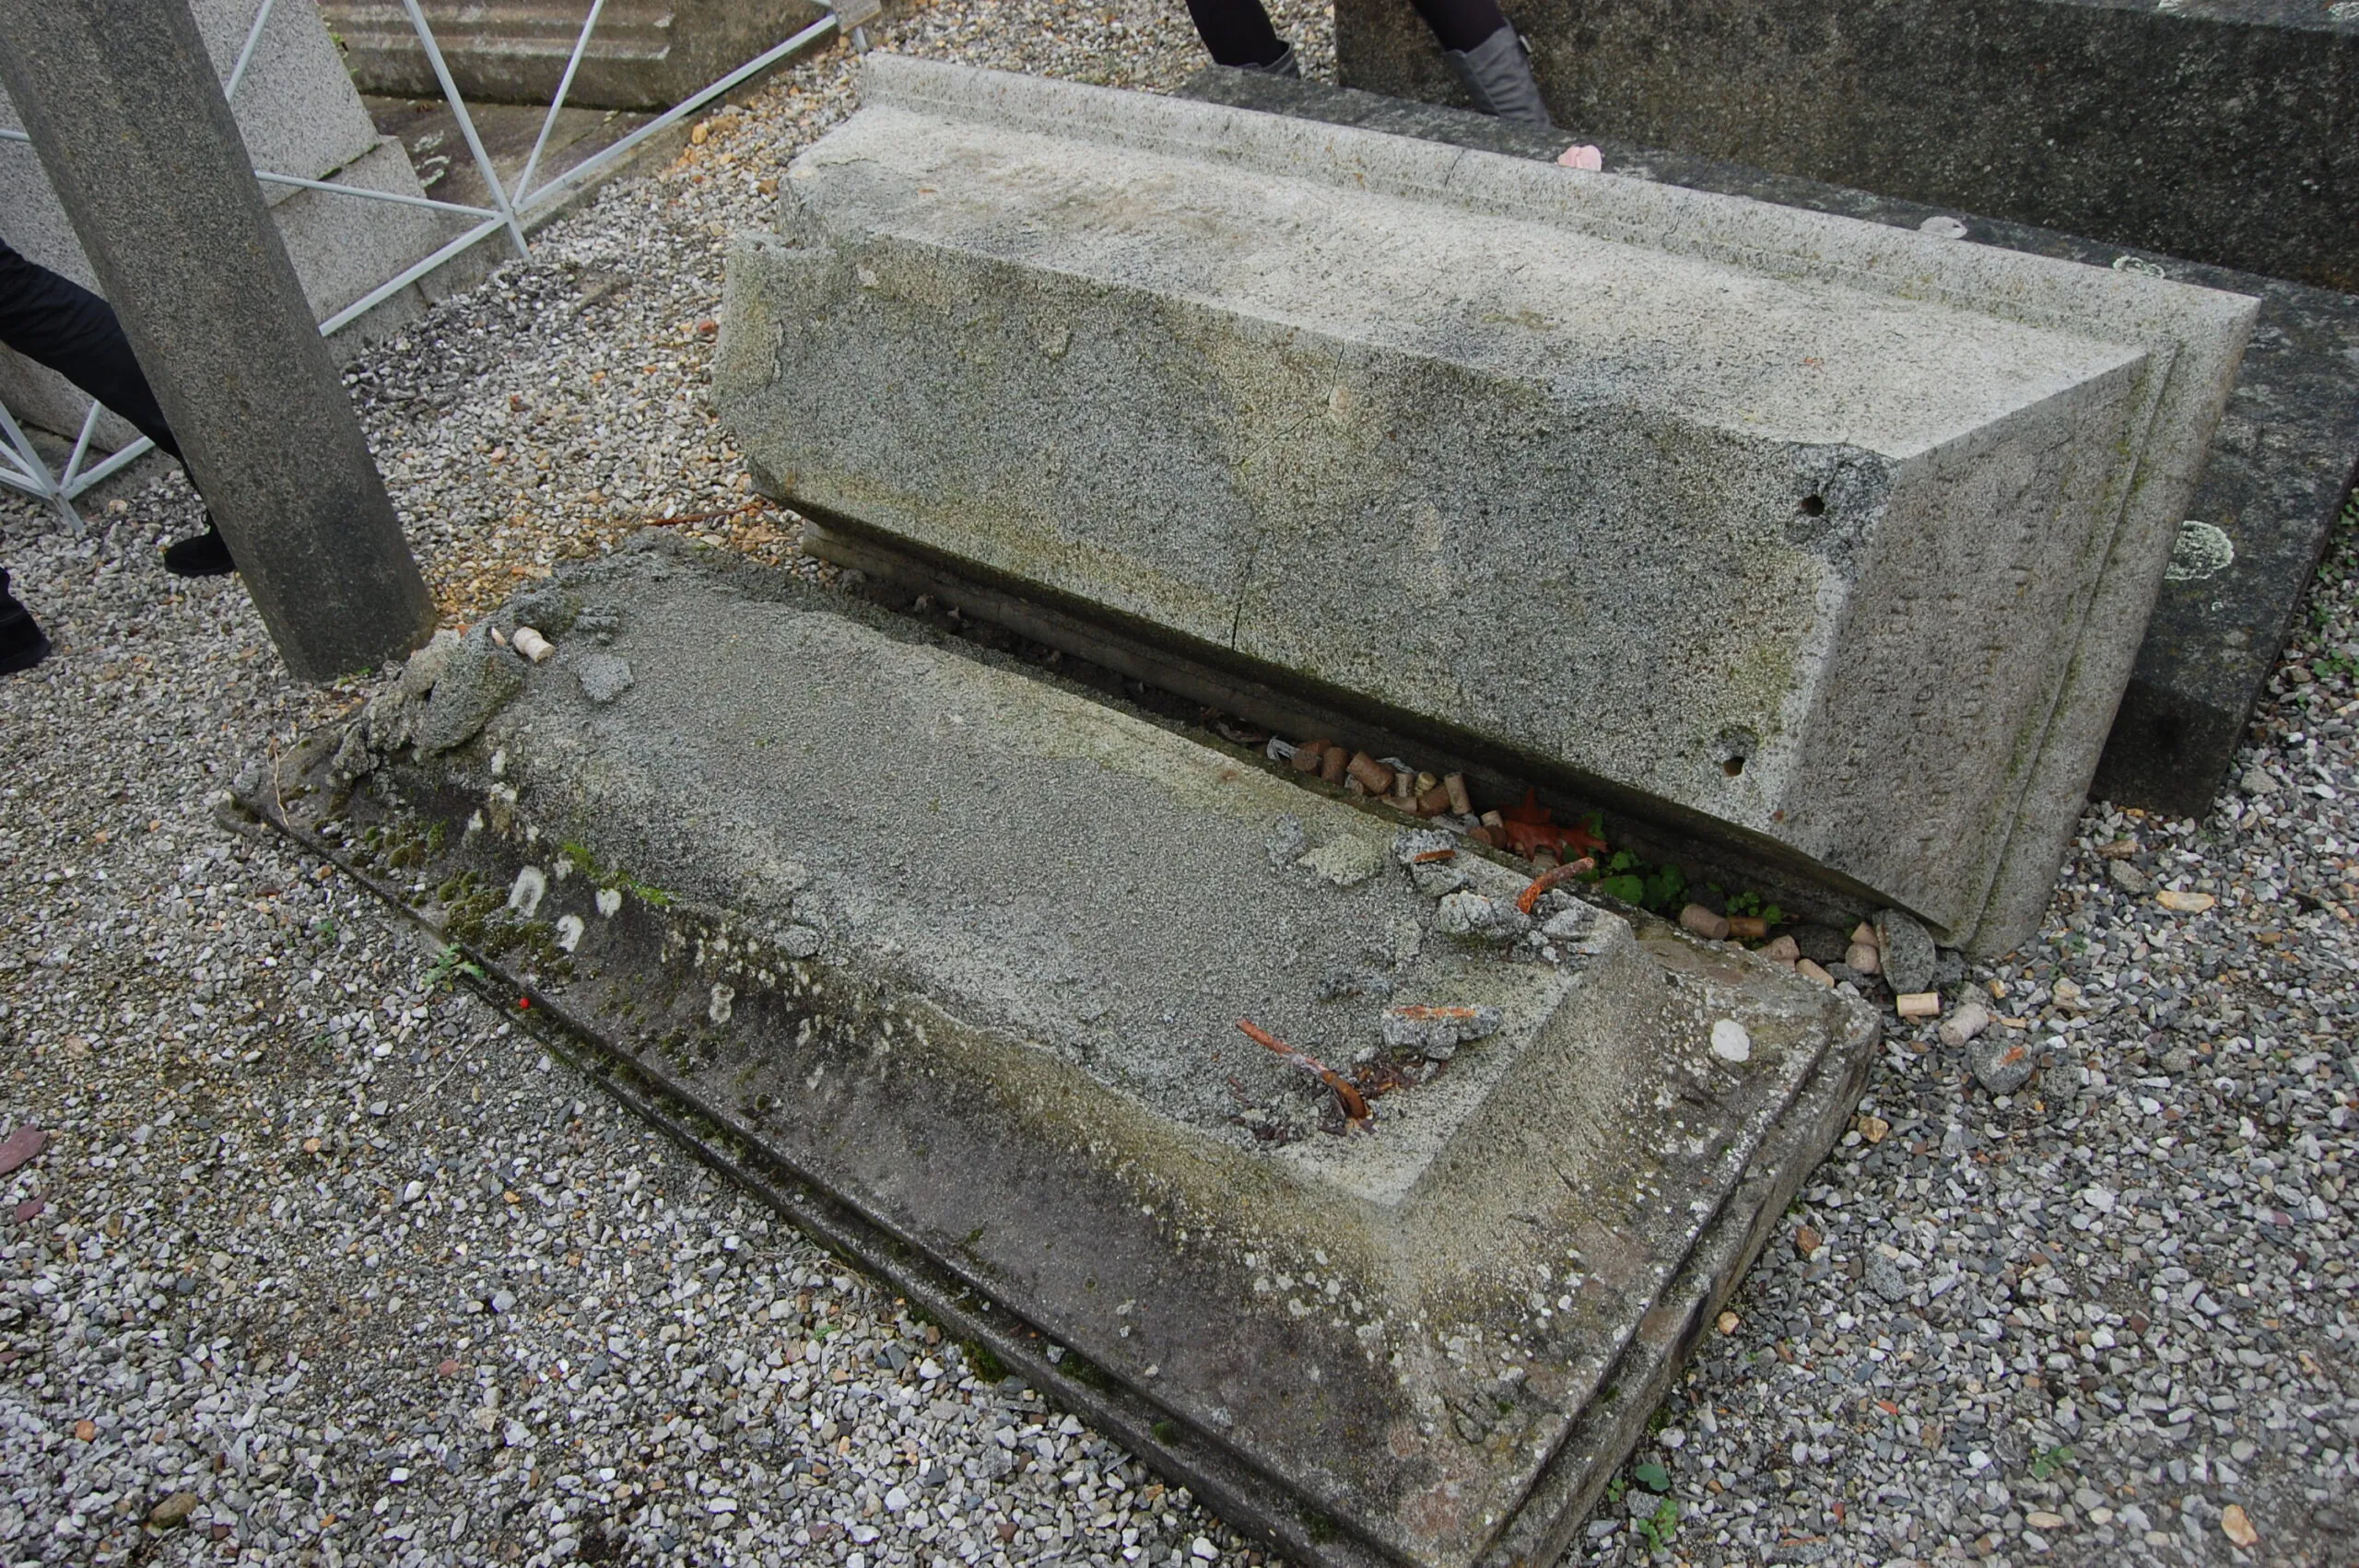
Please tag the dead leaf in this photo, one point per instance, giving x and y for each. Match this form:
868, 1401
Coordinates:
2179, 903
1530, 829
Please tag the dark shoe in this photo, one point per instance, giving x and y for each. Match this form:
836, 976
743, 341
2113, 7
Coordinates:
206, 555
1286, 65
1498, 71
22, 646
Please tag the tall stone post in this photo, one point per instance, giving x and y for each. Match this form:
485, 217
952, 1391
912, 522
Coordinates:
127, 117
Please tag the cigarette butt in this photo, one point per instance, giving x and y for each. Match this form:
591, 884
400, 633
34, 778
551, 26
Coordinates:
1918, 1004
1373, 775
533, 645
1425, 781
1748, 928
1434, 801
1332, 764
1494, 820
1309, 755
1460, 802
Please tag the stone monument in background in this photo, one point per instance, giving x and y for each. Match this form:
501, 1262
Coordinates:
643, 55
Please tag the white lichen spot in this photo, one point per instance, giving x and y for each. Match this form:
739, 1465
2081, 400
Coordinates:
725, 1001
525, 893
569, 932
610, 902
2203, 551
1730, 1042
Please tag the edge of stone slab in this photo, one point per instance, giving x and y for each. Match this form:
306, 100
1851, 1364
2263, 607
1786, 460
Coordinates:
1229, 681
2193, 337
1600, 1439
1737, 229
2281, 512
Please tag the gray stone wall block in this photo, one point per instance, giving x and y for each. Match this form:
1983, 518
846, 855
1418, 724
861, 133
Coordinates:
2220, 131
1835, 537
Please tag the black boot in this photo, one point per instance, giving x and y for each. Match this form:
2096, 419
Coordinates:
1498, 71
22, 646
202, 554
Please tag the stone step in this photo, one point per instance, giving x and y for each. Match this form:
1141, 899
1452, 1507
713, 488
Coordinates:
1823, 537
966, 951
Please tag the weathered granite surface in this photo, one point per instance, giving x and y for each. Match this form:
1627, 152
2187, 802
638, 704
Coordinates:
1830, 537
2281, 470
643, 55
964, 952
2226, 130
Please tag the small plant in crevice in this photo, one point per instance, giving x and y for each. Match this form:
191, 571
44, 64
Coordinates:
450, 963
1659, 889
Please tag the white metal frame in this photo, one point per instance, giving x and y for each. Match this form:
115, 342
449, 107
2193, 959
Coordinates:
21, 465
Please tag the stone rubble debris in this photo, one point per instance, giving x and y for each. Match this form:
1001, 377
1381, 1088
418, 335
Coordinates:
1435, 1032
2000, 1062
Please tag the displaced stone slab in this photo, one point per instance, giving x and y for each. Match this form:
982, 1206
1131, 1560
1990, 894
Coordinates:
2219, 129
965, 952
2280, 469
1830, 538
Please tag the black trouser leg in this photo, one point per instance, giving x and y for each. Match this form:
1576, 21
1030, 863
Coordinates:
1461, 24
1236, 32
55, 321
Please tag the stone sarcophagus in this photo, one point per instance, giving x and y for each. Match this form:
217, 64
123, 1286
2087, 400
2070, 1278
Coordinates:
1825, 540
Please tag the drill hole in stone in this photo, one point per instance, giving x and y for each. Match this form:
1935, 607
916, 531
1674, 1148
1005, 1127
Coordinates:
1814, 506
1732, 766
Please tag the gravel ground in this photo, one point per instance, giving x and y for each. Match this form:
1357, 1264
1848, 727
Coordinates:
328, 1266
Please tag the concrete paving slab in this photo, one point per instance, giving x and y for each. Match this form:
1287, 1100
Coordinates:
2281, 470
1835, 540
959, 955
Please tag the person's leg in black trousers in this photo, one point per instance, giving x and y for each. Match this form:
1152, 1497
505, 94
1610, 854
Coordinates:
1238, 34
55, 321
22, 646
1475, 35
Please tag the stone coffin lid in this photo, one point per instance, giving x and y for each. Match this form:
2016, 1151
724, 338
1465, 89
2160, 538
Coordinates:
1835, 539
